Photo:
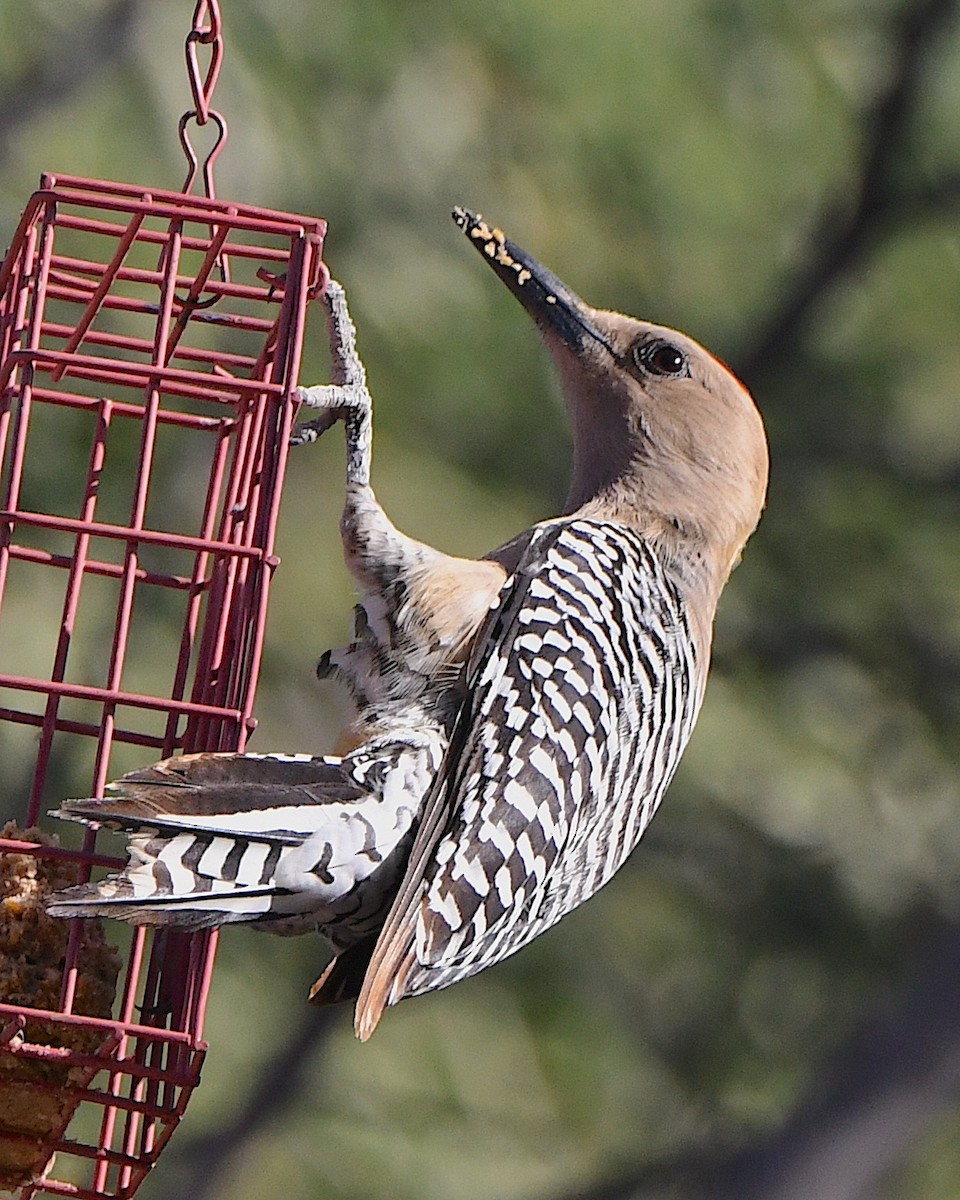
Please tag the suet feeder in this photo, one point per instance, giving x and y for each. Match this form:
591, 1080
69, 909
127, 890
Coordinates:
143, 334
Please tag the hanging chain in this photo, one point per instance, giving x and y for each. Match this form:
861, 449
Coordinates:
205, 31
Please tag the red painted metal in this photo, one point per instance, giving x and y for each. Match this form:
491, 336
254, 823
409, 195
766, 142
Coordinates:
207, 31
130, 356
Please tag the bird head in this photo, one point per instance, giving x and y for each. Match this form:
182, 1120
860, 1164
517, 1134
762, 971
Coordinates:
666, 438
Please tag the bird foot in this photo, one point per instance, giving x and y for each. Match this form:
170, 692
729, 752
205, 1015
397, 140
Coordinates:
334, 403
346, 397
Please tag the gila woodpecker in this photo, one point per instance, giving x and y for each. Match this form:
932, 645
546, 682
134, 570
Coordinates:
518, 718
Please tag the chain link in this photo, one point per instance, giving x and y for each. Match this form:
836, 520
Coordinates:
206, 30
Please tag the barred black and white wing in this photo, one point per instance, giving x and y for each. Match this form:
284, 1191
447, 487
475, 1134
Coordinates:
285, 841
582, 695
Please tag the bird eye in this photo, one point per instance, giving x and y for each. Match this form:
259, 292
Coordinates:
660, 358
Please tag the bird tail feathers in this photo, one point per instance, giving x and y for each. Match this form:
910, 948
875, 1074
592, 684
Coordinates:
206, 835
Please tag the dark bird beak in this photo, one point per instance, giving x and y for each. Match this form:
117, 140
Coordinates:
554, 307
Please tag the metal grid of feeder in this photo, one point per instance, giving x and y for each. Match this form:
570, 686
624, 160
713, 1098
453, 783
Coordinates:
147, 339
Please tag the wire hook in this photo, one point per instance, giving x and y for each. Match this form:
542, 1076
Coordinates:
193, 161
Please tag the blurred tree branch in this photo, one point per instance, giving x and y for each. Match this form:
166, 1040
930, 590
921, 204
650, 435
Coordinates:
70, 60
850, 228
881, 1091
197, 1166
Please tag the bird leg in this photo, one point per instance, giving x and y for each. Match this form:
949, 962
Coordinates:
376, 552
378, 555
346, 396
418, 607
368, 536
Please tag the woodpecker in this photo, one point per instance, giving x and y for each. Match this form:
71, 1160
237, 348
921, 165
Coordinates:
518, 717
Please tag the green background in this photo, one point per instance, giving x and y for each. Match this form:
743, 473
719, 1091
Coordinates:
765, 1002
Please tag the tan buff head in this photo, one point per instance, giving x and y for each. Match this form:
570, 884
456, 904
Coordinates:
666, 438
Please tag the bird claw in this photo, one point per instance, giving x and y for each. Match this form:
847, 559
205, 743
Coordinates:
311, 431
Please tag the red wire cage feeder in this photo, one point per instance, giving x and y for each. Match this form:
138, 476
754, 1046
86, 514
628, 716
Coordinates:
146, 337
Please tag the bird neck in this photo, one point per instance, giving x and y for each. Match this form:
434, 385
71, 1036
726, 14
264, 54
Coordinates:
602, 448
688, 556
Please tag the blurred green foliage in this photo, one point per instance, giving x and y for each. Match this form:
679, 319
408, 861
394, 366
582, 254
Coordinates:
703, 163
